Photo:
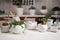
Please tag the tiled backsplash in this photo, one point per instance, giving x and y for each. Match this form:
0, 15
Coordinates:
7, 5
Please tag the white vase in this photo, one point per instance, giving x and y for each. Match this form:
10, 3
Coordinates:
17, 29
44, 11
32, 11
19, 11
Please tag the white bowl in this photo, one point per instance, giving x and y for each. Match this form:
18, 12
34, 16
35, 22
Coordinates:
44, 11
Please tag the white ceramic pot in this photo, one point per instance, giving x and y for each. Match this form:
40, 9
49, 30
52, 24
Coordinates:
19, 11
5, 29
54, 28
17, 29
31, 25
42, 28
59, 25
45, 27
56, 12
32, 11
44, 11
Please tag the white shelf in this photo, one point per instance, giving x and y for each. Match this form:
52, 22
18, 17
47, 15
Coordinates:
37, 16
6, 15
27, 15
32, 16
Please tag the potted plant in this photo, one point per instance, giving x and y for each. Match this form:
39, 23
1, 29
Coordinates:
17, 26
56, 9
32, 10
43, 9
49, 20
5, 27
19, 8
46, 20
47, 16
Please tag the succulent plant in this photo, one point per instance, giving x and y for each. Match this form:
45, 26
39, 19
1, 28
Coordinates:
32, 7
17, 23
43, 7
56, 9
48, 15
17, 2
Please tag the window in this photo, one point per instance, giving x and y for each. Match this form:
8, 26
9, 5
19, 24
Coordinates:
28, 2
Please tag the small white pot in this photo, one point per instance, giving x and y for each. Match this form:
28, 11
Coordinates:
54, 28
19, 11
32, 11
17, 29
56, 12
45, 27
42, 28
49, 22
44, 11
5, 29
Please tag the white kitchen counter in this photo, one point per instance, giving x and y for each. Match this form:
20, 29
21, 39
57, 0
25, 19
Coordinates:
31, 35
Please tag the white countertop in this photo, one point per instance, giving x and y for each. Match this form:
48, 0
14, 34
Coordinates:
31, 35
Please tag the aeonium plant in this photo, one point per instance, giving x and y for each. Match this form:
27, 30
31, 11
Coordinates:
15, 23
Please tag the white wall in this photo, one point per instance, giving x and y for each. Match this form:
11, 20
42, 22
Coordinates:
7, 5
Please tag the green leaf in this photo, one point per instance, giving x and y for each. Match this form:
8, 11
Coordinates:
17, 23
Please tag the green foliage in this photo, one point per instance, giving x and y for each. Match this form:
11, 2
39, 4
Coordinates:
48, 15
32, 7
56, 9
2, 12
43, 7
17, 23
44, 20
17, 2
